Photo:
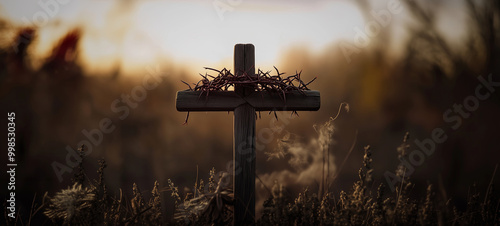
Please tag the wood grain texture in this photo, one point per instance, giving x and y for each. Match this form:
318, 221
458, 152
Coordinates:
244, 141
215, 101
244, 101
293, 101
244, 165
244, 63
262, 101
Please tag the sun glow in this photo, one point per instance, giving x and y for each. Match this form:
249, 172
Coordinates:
196, 33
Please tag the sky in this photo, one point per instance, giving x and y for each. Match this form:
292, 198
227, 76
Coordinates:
198, 33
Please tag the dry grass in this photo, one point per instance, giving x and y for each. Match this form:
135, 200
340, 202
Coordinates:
364, 206
87, 202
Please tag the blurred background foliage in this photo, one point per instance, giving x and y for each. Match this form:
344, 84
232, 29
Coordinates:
54, 99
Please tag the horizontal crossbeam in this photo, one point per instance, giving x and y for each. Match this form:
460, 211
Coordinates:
308, 100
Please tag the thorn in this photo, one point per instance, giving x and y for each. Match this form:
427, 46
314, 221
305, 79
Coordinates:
208, 68
186, 121
187, 85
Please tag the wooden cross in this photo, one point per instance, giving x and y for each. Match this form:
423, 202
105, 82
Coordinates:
244, 102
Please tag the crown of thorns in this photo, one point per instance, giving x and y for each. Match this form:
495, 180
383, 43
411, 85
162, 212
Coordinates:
261, 81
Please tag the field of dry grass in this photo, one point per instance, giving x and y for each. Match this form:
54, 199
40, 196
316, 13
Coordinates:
316, 171
89, 202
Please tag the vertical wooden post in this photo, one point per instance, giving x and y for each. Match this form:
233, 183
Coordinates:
244, 142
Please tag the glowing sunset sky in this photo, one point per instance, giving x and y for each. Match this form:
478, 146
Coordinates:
201, 33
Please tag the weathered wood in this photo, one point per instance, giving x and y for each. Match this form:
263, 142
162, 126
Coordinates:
244, 101
244, 165
244, 141
262, 101
294, 101
215, 101
244, 62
